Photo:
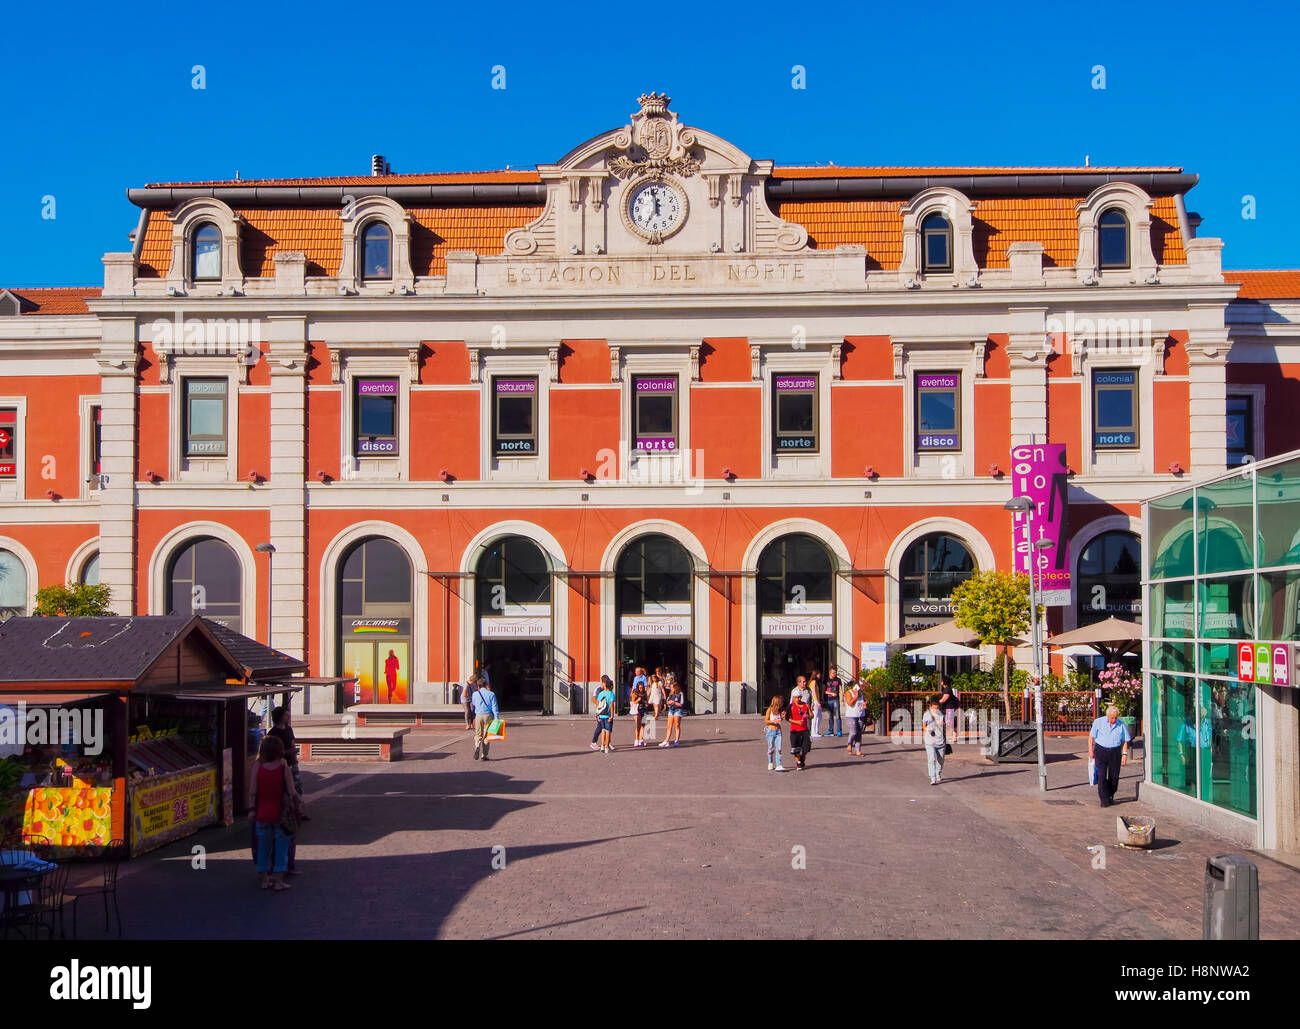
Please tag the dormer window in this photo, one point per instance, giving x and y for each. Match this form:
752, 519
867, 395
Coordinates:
207, 254
377, 252
1112, 230
936, 244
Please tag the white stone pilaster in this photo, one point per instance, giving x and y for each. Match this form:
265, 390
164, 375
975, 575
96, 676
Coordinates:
287, 359
1207, 358
117, 358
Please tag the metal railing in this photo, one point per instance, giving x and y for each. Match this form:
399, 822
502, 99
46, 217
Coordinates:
1064, 711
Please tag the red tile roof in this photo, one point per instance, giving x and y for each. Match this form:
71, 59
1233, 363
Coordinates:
1270, 284
414, 179
831, 171
59, 300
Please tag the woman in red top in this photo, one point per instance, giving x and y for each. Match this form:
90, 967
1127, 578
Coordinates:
800, 742
271, 778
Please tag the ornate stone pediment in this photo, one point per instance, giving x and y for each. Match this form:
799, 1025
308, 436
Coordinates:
655, 188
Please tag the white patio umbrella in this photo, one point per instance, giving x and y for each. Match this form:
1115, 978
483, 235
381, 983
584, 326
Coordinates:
944, 650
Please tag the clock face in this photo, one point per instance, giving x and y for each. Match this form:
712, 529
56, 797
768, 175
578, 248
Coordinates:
656, 209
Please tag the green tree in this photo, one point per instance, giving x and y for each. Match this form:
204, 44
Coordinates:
995, 607
71, 601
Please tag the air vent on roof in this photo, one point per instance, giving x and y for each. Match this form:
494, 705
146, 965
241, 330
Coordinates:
378, 166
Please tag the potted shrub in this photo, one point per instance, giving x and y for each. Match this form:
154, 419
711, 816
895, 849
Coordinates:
1123, 689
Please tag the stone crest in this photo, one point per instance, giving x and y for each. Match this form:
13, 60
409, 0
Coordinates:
654, 143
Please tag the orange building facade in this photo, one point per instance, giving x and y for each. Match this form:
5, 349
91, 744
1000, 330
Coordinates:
658, 403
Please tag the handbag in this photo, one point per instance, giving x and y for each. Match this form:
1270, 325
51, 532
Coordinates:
947, 749
290, 811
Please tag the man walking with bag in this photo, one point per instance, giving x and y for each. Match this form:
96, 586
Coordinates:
485, 710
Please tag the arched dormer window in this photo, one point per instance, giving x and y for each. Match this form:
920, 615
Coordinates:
938, 231
376, 247
205, 248
376, 252
1115, 236
936, 244
1112, 239
205, 254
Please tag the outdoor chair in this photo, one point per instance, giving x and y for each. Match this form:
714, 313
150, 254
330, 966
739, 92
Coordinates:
47, 908
105, 886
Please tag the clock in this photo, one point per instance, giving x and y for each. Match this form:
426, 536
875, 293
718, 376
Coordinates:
655, 209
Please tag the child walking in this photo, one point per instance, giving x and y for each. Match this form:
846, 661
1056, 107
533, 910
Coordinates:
772, 730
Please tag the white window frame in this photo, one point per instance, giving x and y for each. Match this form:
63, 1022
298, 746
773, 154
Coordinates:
792, 465
376, 467
185, 220
1257, 393
86, 405
656, 468
15, 489
1119, 460
1136, 206
357, 216
515, 467
202, 469
966, 358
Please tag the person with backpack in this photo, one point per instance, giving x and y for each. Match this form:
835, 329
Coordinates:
485, 711
605, 701
772, 731
949, 702
800, 724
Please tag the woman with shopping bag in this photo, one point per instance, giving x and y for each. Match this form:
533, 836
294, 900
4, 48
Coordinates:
485, 712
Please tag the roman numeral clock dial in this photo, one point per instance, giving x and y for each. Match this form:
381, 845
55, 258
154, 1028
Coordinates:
655, 209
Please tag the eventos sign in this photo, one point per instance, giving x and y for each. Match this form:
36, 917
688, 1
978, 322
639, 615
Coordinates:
1270, 664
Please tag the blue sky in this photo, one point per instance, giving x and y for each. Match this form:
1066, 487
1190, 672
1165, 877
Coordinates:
99, 101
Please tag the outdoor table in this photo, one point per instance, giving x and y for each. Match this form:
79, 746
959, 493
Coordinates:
20, 873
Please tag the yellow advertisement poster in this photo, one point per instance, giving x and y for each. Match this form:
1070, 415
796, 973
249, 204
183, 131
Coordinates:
167, 807
70, 816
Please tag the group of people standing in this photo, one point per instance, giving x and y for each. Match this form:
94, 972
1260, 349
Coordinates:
841, 704
651, 694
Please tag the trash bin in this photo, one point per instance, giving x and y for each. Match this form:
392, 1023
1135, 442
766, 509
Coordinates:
1014, 742
1231, 899
1137, 831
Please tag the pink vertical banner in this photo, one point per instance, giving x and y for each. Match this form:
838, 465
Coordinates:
1039, 471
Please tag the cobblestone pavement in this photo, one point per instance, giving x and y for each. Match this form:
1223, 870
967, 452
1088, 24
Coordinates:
699, 841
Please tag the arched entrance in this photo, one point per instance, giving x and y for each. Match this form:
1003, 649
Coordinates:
13, 586
1109, 578
796, 612
929, 571
653, 613
513, 608
374, 612
204, 577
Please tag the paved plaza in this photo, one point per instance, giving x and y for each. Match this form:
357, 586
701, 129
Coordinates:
699, 841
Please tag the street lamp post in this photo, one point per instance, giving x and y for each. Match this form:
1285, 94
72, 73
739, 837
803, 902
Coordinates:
1026, 506
269, 550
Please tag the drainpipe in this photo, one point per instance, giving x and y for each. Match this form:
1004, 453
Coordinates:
1184, 226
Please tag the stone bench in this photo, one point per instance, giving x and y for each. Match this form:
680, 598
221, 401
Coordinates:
348, 743
407, 714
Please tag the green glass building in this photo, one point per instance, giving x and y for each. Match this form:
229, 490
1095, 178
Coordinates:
1221, 590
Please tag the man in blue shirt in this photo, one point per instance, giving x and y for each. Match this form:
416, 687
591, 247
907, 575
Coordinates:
1108, 746
485, 710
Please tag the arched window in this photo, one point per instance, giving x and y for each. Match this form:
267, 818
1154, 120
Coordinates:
375, 611
1112, 239
13, 586
89, 574
932, 567
376, 252
1110, 578
206, 262
652, 573
936, 244
205, 579
793, 572
512, 573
